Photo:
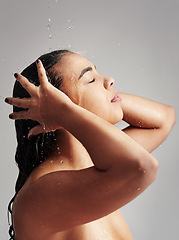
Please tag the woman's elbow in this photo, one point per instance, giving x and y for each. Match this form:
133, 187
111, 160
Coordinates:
172, 116
149, 169
169, 120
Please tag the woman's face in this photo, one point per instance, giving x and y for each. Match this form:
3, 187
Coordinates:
89, 89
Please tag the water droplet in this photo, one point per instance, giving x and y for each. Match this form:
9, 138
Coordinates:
51, 161
61, 161
138, 189
70, 27
144, 171
49, 25
50, 36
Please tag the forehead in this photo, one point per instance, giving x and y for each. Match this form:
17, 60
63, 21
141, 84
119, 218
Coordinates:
72, 64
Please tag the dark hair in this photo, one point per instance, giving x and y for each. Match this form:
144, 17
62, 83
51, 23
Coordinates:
30, 153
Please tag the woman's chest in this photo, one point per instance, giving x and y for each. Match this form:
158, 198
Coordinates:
111, 227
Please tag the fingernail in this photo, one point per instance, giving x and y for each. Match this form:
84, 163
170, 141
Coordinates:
15, 75
6, 100
11, 116
37, 61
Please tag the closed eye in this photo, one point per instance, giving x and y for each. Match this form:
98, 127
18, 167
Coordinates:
92, 80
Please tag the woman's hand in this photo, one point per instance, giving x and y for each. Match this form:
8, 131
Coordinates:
46, 105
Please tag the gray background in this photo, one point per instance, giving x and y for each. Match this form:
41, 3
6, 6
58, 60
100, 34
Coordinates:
134, 41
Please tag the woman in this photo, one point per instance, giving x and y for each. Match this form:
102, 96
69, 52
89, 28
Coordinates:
76, 169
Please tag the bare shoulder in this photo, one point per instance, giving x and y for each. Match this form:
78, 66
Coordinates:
55, 198
64, 199
61, 200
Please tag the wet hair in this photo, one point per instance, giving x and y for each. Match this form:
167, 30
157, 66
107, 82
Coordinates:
30, 153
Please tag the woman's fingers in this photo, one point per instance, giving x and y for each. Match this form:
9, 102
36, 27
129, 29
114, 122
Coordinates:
29, 87
20, 115
18, 102
41, 73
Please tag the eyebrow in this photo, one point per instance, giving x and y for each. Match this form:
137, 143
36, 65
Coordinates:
85, 70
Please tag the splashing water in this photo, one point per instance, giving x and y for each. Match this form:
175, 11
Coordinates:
83, 53
43, 126
58, 148
49, 25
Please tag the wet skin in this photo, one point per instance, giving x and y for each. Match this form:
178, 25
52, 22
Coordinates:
76, 192
93, 92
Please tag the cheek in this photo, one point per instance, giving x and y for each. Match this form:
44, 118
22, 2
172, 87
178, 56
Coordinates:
93, 102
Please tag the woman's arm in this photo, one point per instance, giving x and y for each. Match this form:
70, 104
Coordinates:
150, 122
122, 168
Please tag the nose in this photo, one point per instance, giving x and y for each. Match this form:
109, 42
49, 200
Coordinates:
108, 82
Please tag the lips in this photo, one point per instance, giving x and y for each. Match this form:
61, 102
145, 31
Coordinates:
116, 98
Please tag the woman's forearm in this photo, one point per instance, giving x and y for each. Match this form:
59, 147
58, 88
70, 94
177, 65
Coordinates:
145, 113
107, 145
150, 122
